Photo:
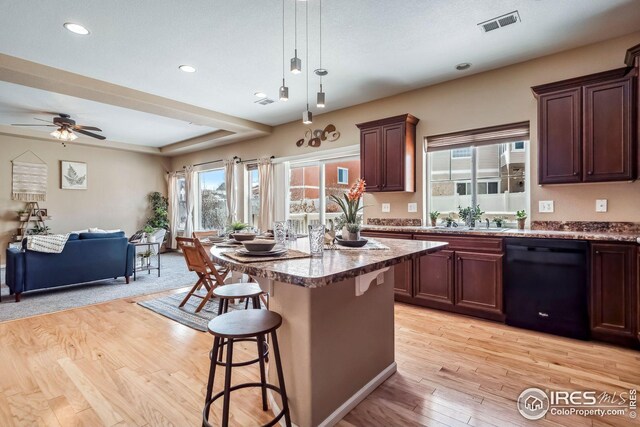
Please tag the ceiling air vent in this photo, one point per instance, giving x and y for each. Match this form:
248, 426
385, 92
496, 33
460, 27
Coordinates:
264, 101
499, 22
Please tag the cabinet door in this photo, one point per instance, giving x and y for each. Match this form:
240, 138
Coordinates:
613, 306
479, 284
434, 284
393, 161
403, 281
608, 153
370, 160
560, 148
638, 295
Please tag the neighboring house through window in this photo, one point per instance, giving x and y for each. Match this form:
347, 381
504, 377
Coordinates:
343, 175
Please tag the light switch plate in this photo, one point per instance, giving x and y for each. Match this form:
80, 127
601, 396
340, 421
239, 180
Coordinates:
412, 207
545, 206
386, 207
601, 205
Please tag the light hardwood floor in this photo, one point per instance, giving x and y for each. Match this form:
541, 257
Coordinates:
118, 364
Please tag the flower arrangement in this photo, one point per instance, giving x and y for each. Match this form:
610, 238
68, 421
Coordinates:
351, 207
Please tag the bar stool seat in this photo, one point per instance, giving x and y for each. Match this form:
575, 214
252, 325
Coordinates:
238, 290
238, 326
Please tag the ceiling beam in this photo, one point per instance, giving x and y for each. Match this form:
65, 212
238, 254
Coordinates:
38, 76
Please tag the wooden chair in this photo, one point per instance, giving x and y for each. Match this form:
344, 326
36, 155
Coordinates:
209, 275
204, 234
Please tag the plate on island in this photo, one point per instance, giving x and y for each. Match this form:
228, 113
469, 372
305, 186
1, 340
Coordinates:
274, 252
351, 243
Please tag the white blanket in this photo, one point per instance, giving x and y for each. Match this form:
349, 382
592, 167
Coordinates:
51, 244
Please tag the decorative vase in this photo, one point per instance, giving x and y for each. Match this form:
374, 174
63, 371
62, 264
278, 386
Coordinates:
521, 222
151, 239
347, 235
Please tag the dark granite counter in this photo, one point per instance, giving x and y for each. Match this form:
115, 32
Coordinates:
334, 266
631, 237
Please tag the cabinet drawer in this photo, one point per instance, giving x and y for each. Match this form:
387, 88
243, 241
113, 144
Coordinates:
385, 235
459, 243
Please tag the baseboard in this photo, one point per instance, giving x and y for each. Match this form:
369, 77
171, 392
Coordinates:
350, 403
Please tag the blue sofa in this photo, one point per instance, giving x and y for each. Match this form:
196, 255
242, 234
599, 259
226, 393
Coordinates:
86, 257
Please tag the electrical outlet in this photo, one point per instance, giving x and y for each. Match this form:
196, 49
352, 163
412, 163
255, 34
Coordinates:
386, 207
412, 207
601, 205
545, 206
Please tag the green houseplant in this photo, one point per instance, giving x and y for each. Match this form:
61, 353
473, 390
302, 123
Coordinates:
470, 215
159, 218
521, 217
351, 207
499, 221
433, 215
38, 230
238, 226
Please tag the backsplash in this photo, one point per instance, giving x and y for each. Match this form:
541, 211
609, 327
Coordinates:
395, 222
588, 226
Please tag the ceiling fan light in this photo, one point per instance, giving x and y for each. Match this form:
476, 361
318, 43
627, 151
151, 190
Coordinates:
56, 134
72, 136
307, 117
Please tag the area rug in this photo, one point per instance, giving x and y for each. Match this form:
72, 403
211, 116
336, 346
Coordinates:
167, 306
174, 275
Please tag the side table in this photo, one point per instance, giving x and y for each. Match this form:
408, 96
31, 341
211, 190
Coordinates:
147, 265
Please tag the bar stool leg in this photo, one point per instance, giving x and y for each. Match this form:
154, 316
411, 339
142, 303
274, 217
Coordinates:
212, 375
285, 401
220, 312
260, 340
227, 384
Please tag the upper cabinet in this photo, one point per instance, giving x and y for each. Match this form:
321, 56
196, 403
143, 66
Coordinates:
388, 153
587, 128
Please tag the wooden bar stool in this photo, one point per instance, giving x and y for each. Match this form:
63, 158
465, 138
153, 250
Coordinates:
235, 326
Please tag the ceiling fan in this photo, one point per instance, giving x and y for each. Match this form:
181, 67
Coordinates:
66, 128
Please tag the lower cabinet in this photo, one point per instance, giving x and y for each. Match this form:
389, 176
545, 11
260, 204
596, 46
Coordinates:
479, 284
434, 284
614, 287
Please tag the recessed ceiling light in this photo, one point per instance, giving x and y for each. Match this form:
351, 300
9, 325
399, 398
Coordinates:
76, 28
260, 94
187, 68
463, 66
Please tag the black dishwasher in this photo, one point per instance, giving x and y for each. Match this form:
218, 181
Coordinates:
546, 285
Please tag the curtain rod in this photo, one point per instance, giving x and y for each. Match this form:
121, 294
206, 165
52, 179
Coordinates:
236, 158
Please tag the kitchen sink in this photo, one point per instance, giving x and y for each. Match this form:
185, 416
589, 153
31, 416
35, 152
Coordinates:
468, 229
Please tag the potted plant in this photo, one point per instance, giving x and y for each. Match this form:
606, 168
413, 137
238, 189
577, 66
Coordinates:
38, 230
351, 207
433, 215
499, 221
237, 226
521, 217
23, 215
449, 220
159, 213
470, 215
148, 230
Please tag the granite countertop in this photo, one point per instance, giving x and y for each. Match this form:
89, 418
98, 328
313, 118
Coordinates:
334, 266
631, 237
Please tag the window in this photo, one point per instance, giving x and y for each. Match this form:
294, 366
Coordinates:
211, 210
182, 203
253, 188
461, 153
499, 178
343, 175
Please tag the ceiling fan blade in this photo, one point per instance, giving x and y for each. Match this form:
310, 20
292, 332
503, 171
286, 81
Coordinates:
46, 126
42, 120
76, 127
92, 135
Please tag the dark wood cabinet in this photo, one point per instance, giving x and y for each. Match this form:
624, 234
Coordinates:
586, 128
434, 284
560, 153
387, 153
403, 277
479, 284
607, 131
613, 293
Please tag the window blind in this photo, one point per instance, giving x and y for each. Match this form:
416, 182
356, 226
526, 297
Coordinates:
512, 132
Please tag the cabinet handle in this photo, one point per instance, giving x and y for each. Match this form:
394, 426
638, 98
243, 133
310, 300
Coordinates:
597, 252
590, 172
575, 173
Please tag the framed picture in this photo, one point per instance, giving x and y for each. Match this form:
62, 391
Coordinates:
73, 175
40, 213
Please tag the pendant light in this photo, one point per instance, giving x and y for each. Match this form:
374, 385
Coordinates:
307, 116
296, 63
284, 90
320, 71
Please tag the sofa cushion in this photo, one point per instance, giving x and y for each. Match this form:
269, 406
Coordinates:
86, 236
74, 236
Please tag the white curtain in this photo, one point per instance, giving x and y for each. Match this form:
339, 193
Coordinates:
230, 187
190, 198
265, 177
174, 209
281, 196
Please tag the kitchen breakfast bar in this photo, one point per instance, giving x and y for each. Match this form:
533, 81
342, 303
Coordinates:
337, 336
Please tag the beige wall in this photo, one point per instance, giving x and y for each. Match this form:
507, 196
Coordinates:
485, 99
118, 183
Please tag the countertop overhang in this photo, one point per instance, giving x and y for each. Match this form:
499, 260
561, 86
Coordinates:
334, 266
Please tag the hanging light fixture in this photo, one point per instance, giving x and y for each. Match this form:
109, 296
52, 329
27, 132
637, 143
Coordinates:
284, 90
320, 71
64, 134
307, 116
296, 63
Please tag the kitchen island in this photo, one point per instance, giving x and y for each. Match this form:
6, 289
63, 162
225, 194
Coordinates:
337, 336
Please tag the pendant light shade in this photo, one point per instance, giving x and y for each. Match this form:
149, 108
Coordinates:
284, 92
307, 117
296, 63
320, 98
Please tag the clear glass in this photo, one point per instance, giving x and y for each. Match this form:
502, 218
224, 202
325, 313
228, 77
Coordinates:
500, 184
316, 239
254, 197
212, 200
280, 232
339, 176
292, 234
